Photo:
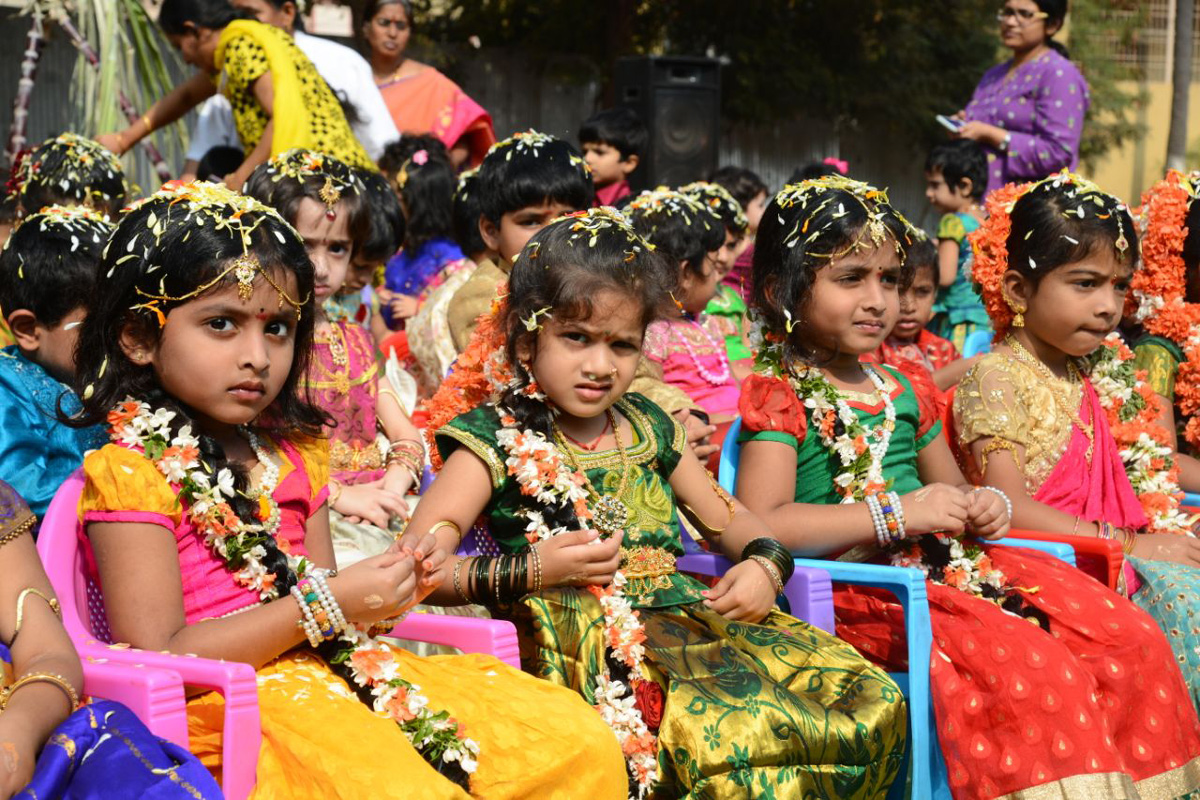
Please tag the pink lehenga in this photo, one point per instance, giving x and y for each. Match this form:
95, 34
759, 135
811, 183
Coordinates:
1072, 463
343, 379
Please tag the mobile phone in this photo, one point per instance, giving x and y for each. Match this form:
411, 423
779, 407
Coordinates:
949, 123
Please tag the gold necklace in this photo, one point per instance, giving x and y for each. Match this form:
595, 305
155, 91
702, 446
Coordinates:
336, 341
609, 514
1061, 398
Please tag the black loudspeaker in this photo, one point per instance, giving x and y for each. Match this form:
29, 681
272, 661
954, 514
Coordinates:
679, 99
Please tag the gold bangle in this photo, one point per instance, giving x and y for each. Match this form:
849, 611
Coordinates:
458, 590
537, 569
18, 531
335, 492
772, 573
437, 526
146, 122
725, 497
41, 677
1129, 538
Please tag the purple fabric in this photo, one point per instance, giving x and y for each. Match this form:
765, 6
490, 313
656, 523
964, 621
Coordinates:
1042, 104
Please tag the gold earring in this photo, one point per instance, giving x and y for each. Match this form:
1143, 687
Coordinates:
1019, 319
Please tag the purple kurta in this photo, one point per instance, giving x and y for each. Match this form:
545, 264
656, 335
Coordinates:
1042, 104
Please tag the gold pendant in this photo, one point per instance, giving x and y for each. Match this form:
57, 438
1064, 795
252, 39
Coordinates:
610, 515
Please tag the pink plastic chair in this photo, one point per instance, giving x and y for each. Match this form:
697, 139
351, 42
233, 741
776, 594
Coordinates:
151, 684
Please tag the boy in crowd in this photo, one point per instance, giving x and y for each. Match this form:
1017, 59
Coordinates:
612, 142
47, 274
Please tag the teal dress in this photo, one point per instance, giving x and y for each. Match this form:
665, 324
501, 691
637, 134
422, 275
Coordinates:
773, 710
959, 310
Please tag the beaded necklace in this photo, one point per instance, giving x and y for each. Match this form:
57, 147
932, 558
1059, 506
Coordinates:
719, 378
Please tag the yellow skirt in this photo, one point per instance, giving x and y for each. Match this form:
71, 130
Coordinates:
536, 740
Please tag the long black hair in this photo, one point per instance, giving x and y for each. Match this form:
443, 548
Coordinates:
564, 268
170, 246
805, 226
426, 183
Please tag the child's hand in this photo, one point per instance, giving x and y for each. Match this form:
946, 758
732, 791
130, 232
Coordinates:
987, 514
698, 433
430, 556
403, 306
18, 754
744, 593
580, 558
936, 507
370, 502
376, 588
1168, 547
398, 482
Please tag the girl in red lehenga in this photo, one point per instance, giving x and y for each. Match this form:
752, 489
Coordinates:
1045, 683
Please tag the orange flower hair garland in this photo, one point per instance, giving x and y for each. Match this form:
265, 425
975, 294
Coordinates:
1159, 287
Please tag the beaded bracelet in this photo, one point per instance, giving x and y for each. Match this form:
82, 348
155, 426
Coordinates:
329, 603
1008, 503
879, 521
891, 520
536, 557
458, 589
901, 520
40, 677
307, 622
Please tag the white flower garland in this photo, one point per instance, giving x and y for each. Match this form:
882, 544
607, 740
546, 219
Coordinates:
543, 474
371, 663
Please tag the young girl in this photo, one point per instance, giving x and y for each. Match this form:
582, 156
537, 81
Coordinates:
279, 99
207, 528
1041, 677
70, 170
752, 193
686, 347
323, 200
711, 692
726, 308
1055, 272
425, 183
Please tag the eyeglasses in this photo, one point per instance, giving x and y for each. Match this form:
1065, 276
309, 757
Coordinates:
399, 24
1022, 16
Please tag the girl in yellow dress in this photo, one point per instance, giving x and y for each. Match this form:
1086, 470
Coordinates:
279, 99
208, 529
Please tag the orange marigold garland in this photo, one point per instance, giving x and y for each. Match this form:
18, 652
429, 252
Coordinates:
990, 244
1159, 288
479, 373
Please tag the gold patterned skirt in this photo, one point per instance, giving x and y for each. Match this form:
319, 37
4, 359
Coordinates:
779, 709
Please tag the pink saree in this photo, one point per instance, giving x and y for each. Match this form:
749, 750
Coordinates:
429, 102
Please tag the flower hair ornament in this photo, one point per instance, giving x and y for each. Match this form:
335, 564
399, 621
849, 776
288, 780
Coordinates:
78, 222
420, 158
717, 198
530, 143
68, 162
300, 164
989, 241
1159, 296
202, 203
819, 193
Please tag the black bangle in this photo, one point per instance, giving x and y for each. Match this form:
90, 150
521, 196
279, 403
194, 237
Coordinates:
774, 552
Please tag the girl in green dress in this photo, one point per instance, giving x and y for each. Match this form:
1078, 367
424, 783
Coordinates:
712, 692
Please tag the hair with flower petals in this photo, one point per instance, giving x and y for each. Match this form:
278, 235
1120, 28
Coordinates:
1038, 227
48, 264
180, 243
682, 228
807, 226
531, 168
297, 174
718, 200
71, 170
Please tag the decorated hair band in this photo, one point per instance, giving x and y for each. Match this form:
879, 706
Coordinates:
206, 204
718, 198
420, 158
300, 164
79, 222
1103, 204
82, 160
819, 194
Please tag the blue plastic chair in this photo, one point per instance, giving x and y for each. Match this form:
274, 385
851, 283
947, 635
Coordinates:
1191, 500
926, 768
977, 342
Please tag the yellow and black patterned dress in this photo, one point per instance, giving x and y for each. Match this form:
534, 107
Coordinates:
779, 709
306, 112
